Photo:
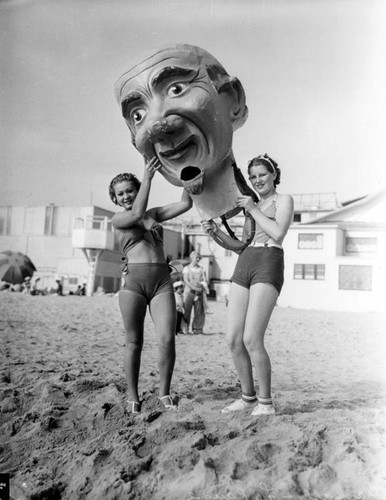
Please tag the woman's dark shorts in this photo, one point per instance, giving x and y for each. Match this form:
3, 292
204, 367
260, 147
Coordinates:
260, 265
148, 280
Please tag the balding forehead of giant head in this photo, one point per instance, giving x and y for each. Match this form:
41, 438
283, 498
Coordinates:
181, 56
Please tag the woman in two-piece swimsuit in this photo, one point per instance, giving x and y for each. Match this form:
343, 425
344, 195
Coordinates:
256, 284
146, 276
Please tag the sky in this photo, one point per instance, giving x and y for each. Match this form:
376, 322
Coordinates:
314, 73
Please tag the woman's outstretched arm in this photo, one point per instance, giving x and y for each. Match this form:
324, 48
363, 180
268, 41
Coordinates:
172, 209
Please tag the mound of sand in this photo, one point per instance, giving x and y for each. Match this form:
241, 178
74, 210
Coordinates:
65, 434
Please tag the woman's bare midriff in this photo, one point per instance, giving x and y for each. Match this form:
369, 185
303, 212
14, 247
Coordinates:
144, 252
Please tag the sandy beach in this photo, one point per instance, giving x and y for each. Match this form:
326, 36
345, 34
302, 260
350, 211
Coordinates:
65, 435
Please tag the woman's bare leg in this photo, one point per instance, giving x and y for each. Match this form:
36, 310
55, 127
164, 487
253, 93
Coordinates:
237, 311
133, 310
262, 300
163, 313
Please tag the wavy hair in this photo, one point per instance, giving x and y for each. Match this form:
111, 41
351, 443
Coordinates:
120, 178
269, 164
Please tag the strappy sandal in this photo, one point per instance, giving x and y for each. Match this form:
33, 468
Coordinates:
133, 406
169, 405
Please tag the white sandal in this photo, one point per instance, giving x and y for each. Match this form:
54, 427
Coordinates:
239, 405
263, 410
265, 407
169, 405
133, 406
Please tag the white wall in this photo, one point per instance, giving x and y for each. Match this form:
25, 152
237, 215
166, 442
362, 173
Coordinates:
325, 294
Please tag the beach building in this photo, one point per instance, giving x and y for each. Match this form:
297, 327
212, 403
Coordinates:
336, 261
70, 243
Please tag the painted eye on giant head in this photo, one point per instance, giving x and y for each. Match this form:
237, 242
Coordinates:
177, 89
136, 115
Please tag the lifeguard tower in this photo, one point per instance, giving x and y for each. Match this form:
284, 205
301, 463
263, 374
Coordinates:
93, 235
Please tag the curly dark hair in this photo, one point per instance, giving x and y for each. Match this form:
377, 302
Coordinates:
269, 164
120, 178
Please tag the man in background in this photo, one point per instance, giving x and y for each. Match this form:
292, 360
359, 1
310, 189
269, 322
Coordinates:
194, 293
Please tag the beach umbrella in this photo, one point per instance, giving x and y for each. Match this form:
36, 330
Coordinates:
15, 267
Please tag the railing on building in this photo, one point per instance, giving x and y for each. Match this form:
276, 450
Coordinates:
93, 232
93, 222
315, 202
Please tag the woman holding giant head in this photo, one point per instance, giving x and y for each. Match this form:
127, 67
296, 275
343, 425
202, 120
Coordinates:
256, 284
182, 107
147, 281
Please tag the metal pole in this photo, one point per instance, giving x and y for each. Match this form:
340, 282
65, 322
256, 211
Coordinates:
183, 233
93, 263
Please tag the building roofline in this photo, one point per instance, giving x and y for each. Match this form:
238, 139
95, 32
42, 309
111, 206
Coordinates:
341, 214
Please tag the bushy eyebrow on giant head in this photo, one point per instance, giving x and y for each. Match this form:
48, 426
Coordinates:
179, 61
172, 72
167, 73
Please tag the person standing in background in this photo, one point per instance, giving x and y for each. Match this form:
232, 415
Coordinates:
27, 285
195, 286
36, 287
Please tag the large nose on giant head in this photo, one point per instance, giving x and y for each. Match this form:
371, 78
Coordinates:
161, 130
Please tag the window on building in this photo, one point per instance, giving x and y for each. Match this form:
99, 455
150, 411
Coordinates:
5, 220
310, 241
298, 271
297, 217
72, 281
355, 277
309, 271
361, 245
49, 220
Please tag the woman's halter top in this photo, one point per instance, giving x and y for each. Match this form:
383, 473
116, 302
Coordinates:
154, 235
270, 212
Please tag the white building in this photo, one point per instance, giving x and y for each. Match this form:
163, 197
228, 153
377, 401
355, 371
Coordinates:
337, 261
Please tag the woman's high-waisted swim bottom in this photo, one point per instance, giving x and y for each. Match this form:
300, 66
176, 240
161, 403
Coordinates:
148, 280
260, 265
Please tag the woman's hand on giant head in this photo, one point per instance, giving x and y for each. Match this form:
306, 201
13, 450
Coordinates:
209, 226
151, 167
246, 202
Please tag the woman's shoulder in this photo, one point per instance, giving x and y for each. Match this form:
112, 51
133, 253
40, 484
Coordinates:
114, 217
284, 198
285, 203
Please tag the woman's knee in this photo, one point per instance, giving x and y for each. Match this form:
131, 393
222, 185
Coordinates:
133, 344
235, 341
167, 342
255, 346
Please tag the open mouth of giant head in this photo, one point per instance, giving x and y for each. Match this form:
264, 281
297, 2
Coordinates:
192, 179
